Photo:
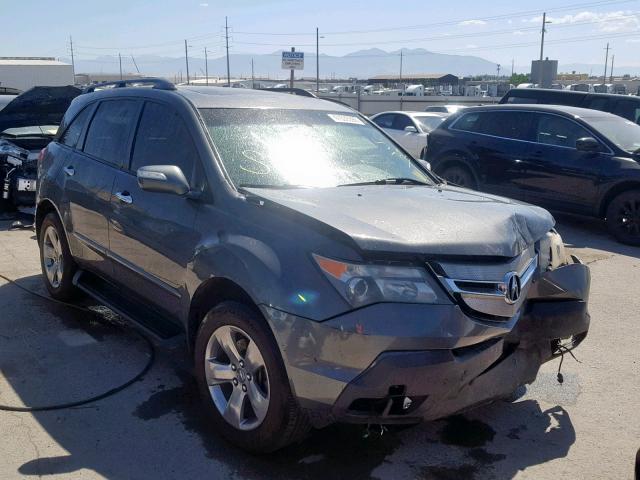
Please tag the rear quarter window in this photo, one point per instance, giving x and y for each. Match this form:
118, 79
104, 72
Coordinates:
72, 134
110, 129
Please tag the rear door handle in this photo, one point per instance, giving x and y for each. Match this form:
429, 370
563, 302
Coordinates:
124, 197
69, 171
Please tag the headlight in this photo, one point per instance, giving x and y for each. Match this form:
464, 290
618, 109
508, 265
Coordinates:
362, 284
552, 252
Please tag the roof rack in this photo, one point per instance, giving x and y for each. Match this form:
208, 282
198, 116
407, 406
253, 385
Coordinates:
159, 83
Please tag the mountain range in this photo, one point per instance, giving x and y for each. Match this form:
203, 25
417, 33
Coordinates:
360, 64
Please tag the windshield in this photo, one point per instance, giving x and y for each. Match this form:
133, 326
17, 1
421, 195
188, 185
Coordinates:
623, 133
428, 122
290, 148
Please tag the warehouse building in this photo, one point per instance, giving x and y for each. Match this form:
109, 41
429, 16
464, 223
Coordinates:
22, 73
444, 83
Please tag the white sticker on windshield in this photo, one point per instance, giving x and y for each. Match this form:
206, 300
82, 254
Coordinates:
345, 119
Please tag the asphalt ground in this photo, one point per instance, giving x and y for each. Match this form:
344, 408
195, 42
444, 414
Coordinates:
588, 427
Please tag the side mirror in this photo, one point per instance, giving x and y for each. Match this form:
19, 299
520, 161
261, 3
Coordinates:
588, 144
425, 164
163, 179
410, 129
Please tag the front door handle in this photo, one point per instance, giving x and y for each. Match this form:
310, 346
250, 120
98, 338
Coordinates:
69, 171
124, 197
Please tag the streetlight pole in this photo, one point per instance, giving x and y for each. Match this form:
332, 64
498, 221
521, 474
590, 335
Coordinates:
120, 62
317, 61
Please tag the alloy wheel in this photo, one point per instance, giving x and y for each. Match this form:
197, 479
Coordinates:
237, 377
627, 218
53, 256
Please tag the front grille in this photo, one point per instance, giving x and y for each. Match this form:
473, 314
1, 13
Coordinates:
486, 288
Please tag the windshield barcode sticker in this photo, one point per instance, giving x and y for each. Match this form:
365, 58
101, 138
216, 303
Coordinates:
345, 119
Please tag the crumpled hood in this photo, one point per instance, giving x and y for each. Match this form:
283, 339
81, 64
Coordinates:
38, 106
418, 219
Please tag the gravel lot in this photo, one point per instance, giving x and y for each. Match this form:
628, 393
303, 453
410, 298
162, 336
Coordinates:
588, 427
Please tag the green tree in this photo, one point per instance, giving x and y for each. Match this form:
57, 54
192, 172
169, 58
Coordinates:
518, 78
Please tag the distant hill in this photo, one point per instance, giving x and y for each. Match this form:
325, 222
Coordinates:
361, 64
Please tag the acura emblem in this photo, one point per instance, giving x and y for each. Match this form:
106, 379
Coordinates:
512, 287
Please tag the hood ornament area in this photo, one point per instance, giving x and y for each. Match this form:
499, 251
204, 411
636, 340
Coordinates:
512, 287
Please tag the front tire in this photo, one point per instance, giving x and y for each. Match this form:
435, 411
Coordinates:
460, 176
623, 217
58, 266
243, 382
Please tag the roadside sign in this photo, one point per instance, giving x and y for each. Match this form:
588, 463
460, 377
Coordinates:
293, 60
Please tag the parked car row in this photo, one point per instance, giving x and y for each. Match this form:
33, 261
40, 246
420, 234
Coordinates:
318, 272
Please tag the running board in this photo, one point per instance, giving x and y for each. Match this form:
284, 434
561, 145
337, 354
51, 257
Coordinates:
141, 315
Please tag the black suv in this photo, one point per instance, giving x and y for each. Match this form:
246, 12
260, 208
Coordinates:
563, 158
316, 270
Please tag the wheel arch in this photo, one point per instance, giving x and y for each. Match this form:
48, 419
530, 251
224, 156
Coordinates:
613, 192
210, 293
456, 158
45, 207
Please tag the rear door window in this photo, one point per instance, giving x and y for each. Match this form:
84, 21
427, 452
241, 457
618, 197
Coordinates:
628, 109
401, 122
72, 134
110, 130
559, 131
385, 121
163, 139
512, 125
598, 103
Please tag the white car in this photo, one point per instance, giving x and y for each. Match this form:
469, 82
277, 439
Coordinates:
409, 129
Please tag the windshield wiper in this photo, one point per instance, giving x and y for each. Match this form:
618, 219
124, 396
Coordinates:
388, 181
274, 187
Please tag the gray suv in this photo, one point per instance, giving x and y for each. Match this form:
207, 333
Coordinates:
318, 273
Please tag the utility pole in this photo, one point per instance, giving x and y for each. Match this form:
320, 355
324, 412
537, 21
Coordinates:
253, 78
135, 64
206, 66
186, 59
513, 62
226, 34
317, 61
293, 49
613, 57
400, 78
73, 62
544, 30
498, 76
120, 63
606, 62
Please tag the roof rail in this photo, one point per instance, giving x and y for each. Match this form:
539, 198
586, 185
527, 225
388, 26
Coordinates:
159, 83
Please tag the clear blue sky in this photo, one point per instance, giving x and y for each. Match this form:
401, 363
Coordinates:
577, 34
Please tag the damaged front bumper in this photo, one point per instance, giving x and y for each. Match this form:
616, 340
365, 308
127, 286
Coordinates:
402, 363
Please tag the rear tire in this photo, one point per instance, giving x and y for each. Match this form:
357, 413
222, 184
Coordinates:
623, 217
235, 392
56, 261
460, 176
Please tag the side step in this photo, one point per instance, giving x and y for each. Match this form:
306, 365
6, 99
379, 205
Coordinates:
142, 316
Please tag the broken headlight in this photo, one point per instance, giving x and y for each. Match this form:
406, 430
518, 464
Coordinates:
552, 252
364, 284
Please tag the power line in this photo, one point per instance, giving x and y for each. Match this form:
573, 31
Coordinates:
447, 37
450, 22
350, 32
